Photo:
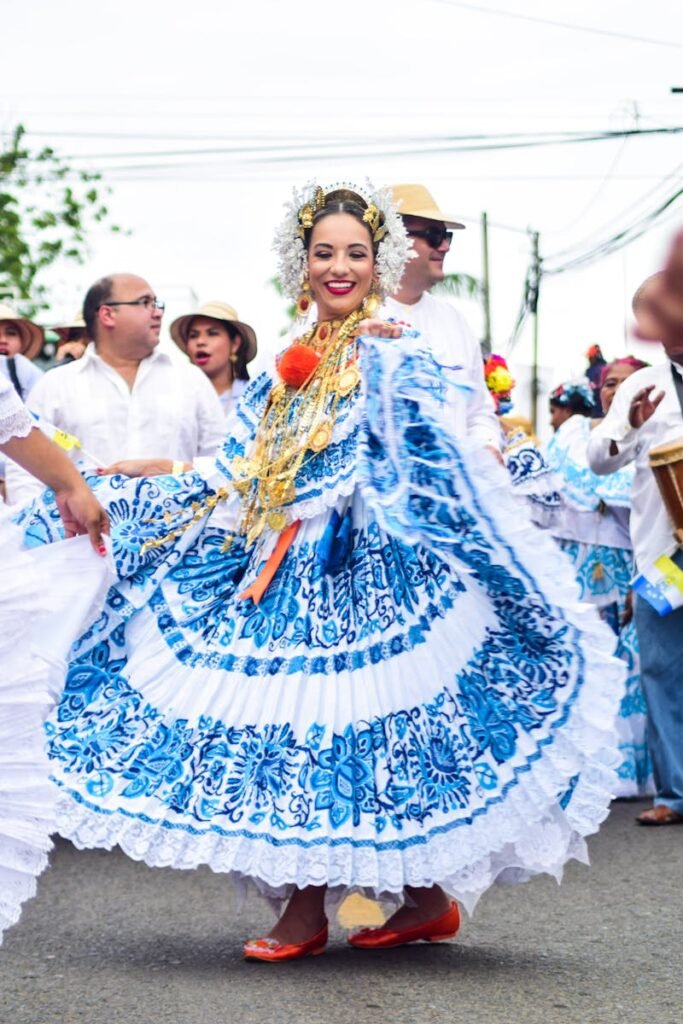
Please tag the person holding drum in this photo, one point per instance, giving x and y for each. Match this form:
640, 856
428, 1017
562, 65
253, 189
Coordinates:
646, 414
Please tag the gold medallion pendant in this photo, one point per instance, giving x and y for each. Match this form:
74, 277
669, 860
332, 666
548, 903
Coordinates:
321, 437
347, 380
276, 521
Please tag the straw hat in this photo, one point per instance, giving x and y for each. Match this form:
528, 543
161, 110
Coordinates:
32, 336
77, 323
217, 311
416, 201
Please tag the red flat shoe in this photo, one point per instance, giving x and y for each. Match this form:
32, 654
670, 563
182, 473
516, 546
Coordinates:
273, 951
439, 928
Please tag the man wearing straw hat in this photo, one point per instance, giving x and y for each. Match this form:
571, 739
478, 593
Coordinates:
431, 232
124, 400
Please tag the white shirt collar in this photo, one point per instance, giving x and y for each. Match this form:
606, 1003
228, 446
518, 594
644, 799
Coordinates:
91, 356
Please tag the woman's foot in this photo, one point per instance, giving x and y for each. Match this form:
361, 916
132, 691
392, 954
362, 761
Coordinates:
300, 931
270, 950
433, 918
425, 904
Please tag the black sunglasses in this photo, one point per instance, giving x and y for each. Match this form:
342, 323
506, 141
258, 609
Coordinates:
434, 236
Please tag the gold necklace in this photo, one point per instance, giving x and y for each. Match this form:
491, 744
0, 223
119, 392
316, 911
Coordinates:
297, 425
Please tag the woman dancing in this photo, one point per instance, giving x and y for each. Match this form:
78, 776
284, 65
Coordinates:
341, 659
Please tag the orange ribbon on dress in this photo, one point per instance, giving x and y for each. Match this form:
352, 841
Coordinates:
258, 588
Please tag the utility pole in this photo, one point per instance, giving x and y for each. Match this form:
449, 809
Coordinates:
485, 285
533, 288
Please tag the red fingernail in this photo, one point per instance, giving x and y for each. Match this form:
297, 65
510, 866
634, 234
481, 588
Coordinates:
99, 472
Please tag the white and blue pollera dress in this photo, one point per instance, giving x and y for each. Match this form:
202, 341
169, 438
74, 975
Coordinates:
592, 529
419, 697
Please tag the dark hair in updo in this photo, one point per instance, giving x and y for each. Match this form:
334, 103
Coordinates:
341, 200
575, 397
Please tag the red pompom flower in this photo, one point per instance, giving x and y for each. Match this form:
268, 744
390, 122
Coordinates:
297, 364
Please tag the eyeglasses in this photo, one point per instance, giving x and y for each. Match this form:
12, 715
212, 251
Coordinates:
147, 302
434, 236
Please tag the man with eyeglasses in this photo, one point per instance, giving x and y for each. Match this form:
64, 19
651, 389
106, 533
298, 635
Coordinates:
125, 399
450, 339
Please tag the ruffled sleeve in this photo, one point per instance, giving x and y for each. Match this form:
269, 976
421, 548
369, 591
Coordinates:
15, 421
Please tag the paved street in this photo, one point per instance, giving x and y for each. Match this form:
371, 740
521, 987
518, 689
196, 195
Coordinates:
109, 941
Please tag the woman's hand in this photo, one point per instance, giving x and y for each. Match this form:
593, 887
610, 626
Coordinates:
81, 512
379, 328
141, 467
643, 406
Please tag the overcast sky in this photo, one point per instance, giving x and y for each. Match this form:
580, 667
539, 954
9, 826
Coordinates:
201, 116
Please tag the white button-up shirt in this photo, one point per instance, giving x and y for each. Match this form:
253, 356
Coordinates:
170, 411
452, 344
651, 527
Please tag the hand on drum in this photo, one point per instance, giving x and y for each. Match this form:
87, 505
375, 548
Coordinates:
643, 406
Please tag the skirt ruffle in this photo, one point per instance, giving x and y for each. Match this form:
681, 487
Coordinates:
27, 798
43, 602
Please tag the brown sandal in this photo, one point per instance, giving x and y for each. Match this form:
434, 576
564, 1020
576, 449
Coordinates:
660, 814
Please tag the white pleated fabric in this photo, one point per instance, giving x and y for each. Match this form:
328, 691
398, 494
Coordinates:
43, 602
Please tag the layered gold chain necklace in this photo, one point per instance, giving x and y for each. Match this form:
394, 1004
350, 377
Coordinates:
298, 422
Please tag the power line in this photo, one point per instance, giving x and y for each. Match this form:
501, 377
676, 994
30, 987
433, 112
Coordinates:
433, 145
617, 242
666, 182
560, 24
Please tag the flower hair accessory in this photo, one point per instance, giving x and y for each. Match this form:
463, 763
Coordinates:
380, 215
577, 389
499, 380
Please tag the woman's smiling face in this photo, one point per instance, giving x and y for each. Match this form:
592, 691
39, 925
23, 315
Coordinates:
341, 264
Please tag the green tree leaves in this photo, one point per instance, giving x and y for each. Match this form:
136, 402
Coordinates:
46, 210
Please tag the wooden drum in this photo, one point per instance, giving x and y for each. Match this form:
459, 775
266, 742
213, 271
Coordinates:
666, 462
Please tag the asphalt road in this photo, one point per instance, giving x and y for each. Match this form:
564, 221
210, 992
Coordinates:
108, 941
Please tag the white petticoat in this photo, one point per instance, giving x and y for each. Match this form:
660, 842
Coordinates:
43, 601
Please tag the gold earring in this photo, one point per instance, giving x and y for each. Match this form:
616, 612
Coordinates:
371, 304
304, 302
233, 357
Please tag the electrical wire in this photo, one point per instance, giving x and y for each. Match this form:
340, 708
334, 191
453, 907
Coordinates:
479, 9
611, 245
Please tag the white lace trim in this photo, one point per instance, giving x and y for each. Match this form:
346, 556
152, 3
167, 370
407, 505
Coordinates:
14, 421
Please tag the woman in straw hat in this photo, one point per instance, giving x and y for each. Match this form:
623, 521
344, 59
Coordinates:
20, 341
221, 345
336, 656
73, 339
27, 590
